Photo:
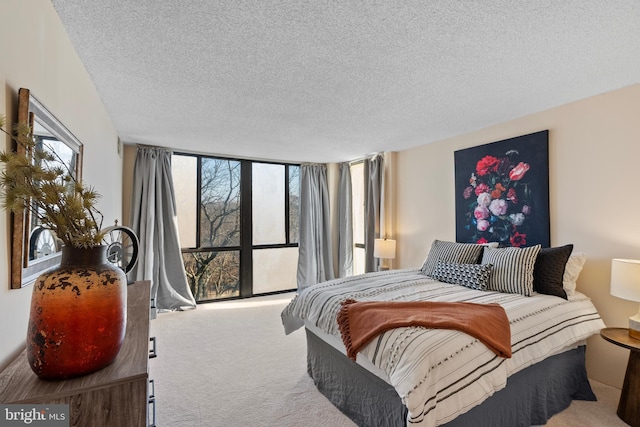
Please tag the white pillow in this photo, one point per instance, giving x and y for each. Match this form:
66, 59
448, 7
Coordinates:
572, 271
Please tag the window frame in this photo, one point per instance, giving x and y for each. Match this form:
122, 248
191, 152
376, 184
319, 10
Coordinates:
245, 247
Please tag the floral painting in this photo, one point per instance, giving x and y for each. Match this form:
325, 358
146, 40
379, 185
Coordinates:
502, 192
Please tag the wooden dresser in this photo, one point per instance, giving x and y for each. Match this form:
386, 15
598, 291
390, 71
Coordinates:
117, 395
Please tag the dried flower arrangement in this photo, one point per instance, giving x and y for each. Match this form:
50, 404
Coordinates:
36, 179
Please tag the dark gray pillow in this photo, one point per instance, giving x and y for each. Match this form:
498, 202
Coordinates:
474, 276
460, 253
549, 270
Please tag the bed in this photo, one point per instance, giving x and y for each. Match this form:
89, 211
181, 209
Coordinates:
417, 376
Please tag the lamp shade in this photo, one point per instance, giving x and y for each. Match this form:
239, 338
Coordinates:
384, 248
625, 279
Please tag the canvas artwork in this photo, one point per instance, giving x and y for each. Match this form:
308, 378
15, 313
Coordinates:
502, 192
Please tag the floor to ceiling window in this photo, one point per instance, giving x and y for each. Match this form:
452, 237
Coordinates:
357, 197
238, 224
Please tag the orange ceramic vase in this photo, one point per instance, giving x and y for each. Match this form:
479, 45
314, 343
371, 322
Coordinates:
78, 315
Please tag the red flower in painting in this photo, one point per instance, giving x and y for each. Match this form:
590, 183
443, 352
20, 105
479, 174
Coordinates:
482, 188
518, 239
482, 241
518, 172
512, 196
487, 165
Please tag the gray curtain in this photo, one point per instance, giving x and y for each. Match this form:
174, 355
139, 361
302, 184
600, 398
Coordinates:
153, 214
345, 212
373, 170
315, 261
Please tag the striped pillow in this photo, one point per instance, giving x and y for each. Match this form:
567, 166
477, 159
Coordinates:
474, 276
460, 253
512, 269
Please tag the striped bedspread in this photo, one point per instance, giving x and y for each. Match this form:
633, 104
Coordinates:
440, 374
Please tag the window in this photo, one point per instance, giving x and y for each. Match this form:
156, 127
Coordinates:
238, 225
358, 200
275, 195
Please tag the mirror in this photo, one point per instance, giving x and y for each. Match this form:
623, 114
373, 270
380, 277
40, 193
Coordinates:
35, 249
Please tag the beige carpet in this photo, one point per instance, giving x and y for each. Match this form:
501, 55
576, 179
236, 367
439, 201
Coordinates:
229, 364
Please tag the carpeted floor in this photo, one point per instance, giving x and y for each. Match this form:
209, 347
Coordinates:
229, 364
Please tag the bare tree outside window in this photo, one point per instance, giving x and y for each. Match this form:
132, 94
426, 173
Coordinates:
208, 198
220, 203
294, 203
215, 274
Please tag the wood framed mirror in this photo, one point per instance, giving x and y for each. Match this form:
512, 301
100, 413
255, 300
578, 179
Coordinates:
35, 249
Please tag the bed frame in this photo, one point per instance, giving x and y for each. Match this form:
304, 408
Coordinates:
530, 398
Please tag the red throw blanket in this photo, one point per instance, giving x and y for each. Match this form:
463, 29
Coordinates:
359, 322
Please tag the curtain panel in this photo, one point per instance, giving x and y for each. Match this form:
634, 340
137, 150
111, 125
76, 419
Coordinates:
373, 181
315, 260
153, 213
345, 226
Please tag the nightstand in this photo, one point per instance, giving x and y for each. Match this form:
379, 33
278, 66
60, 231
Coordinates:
629, 405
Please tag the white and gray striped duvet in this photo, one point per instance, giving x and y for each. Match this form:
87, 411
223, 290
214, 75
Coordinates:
440, 374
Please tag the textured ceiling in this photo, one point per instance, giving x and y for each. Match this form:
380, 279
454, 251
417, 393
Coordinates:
334, 80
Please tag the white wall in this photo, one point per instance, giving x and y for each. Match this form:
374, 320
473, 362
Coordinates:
37, 54
594, 149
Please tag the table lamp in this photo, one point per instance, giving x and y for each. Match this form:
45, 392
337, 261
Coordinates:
384, 249
625, 284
